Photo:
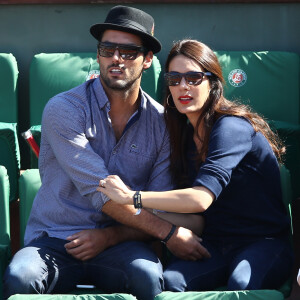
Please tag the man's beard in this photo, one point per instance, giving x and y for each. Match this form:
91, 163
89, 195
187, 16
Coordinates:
120, 85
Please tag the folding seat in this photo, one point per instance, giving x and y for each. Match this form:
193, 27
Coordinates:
5, 252
54, 73
9, 146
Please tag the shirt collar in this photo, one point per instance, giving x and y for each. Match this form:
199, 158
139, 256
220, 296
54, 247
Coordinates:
103, 100
100, 93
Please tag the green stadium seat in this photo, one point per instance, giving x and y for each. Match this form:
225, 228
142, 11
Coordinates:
5, 252
29, 184
9, 146
8, 86
10, 155
54, 73
222, 295
269, 82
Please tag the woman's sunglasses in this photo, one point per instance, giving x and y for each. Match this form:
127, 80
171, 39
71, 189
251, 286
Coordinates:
191, 78
127, 52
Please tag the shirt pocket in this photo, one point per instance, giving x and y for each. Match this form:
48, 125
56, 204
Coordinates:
138, 164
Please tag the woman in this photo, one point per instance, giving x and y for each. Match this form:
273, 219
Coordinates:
224, 161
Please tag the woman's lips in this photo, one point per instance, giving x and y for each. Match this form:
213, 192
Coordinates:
185, 99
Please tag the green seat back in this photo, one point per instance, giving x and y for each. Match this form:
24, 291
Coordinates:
290, 134
287, 197
4, 224
10, 155
219, 295
8, 88
268, 81
29, 184
54, 73
9, 146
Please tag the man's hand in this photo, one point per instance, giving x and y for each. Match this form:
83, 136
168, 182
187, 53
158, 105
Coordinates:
88, 243
186, 245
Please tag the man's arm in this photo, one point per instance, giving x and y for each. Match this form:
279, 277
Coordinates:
183, 243
88, 243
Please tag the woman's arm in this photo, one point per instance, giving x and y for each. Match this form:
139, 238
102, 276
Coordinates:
190, 200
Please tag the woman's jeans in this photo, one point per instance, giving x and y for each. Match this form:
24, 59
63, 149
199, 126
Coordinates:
44, 266
265, 264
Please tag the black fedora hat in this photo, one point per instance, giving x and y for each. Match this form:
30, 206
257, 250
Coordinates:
130, 20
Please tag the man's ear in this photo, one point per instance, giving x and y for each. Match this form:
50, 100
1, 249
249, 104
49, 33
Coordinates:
148, 60
98, 57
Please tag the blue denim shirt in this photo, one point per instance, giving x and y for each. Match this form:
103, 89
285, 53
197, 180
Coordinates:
78, 148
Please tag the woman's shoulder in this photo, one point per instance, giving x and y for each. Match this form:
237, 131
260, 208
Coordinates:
233, 124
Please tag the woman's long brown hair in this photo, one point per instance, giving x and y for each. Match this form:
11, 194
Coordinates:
215, 107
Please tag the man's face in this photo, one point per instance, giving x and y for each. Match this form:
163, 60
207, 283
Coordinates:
117, 73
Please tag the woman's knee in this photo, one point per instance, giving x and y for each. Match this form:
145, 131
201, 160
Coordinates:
145, 279
174, 281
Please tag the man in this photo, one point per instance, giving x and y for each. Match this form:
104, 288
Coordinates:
102, 127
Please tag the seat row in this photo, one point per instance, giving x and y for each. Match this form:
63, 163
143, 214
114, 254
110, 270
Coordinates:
268, 81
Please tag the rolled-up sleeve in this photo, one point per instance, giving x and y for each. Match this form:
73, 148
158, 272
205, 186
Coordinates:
63, 125
230, 140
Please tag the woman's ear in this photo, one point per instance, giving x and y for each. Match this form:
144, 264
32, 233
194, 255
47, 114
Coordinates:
148, 60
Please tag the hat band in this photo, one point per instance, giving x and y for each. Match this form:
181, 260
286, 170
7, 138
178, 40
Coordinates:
129, 24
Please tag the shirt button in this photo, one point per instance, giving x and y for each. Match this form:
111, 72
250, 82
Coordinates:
114, 152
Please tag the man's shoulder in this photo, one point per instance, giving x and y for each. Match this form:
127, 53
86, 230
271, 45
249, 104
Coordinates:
77, 91
75, 96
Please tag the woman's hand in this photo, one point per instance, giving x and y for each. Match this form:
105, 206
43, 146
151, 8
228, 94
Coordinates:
114, 188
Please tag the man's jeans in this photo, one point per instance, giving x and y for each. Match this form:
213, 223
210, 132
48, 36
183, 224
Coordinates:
44, 266
264, 264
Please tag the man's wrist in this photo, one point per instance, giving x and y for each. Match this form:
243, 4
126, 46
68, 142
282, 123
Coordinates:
170, 234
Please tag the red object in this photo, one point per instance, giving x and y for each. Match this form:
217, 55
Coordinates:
27, 135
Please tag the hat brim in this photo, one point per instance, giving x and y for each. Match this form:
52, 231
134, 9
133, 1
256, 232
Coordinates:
150, 41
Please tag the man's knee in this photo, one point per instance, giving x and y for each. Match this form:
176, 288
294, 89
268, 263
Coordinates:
19, 280
23, 276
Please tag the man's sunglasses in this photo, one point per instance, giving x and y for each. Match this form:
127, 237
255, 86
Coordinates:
191, 78
127, 52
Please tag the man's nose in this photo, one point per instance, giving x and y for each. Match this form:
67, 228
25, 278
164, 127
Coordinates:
117, 56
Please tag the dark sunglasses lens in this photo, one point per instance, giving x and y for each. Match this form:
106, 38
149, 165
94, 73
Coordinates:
173, 79
127, 53
194, 78
106, 51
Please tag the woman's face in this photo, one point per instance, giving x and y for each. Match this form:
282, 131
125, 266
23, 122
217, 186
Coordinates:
188, 99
